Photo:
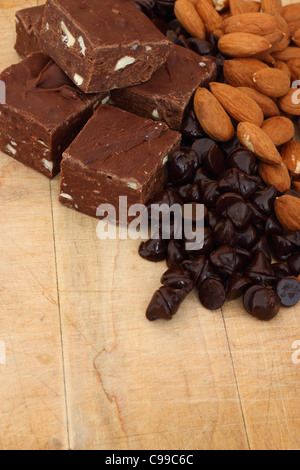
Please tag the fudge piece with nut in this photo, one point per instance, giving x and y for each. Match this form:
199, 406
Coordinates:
43, 112
102, 45
28, 27
116, 154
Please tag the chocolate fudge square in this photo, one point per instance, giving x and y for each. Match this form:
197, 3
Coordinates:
28, 28
44, 112
168, 94
102, 45
116, 154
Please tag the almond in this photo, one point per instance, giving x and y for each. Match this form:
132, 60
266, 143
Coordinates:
280, 129
188, 17
290, 103
254, 23
294, 67
291, 12
265, 57
287, 54
287, 210
283, 27
243, 44
212, 116
290, 153
271, 6
296, 37
209, 16
283, 66
256, 140
293, 26
238, 104
267, 105
275, 175
275, 38
272, 82
239, 72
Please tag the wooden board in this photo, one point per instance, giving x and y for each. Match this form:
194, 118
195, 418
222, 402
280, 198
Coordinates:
85, 370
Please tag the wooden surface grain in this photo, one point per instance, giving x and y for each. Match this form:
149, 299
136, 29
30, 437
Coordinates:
85, 370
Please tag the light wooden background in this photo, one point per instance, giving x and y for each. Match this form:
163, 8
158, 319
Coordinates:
85, 370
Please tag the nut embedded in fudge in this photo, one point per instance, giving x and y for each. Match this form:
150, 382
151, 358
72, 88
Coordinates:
167, 95
44, 112
28, 27
116, 154
102, 46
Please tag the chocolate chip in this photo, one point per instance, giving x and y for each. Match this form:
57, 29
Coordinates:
273, 226
225, 233
190, 127
288, 290
154, 250
165, 303
260, 270
189, 193
264, 247
265, 199
264, 304
209, 192
201, 147
213, 218
240, 215
177, 277
201, 174
280, 270
282, 248
195, 267
212, 294
230, 181
175, 253
214, 160
243, 160
226, 201
294, 264
224, 260
201, 47
248, 237
201, 248
181, 166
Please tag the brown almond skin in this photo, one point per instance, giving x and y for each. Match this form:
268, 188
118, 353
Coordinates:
212, 116
291, 12
254, 23
237, 7
280, 129
188, 17
271, 6
290, 153
238, 104
239, 72
256, 140
275, 175
297, 188
284, 28
272, 82
294, 67
267, 105
283, 66
209, 16
293, 27
243, 44
287, 209
287, 54
289, 102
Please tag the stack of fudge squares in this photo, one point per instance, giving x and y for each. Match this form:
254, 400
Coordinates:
99, 96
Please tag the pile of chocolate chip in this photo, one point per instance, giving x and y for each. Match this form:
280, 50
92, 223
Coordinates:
242, 233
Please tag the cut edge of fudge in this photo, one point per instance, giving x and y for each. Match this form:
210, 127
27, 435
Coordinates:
168, 95
28, 26
93, 170
24, 135
129, 57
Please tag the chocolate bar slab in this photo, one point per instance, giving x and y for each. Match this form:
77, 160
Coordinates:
44, 112
116, 154
167, 95
28, 27
102, 45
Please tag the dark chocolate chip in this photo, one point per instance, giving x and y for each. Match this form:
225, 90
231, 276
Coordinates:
201, 47
243, 160
209, 192
201, 147
225, 233
201, 248
175, 253
237, 285
248, 237
212, 294
273, 226
191, 128
214, 160
230, 181
265, 198
226, 201
281, 270
288, 290
181, 166
195, 267
260, 270
165, 303
177, 277
224, 260
264, 247
294, 264
189, 193
265, 304
154, 250
282, 248
240, 215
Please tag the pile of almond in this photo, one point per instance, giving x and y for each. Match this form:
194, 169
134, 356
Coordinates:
260, 100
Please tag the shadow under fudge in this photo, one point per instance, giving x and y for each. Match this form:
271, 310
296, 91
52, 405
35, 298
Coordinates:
127, 158
43, 113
